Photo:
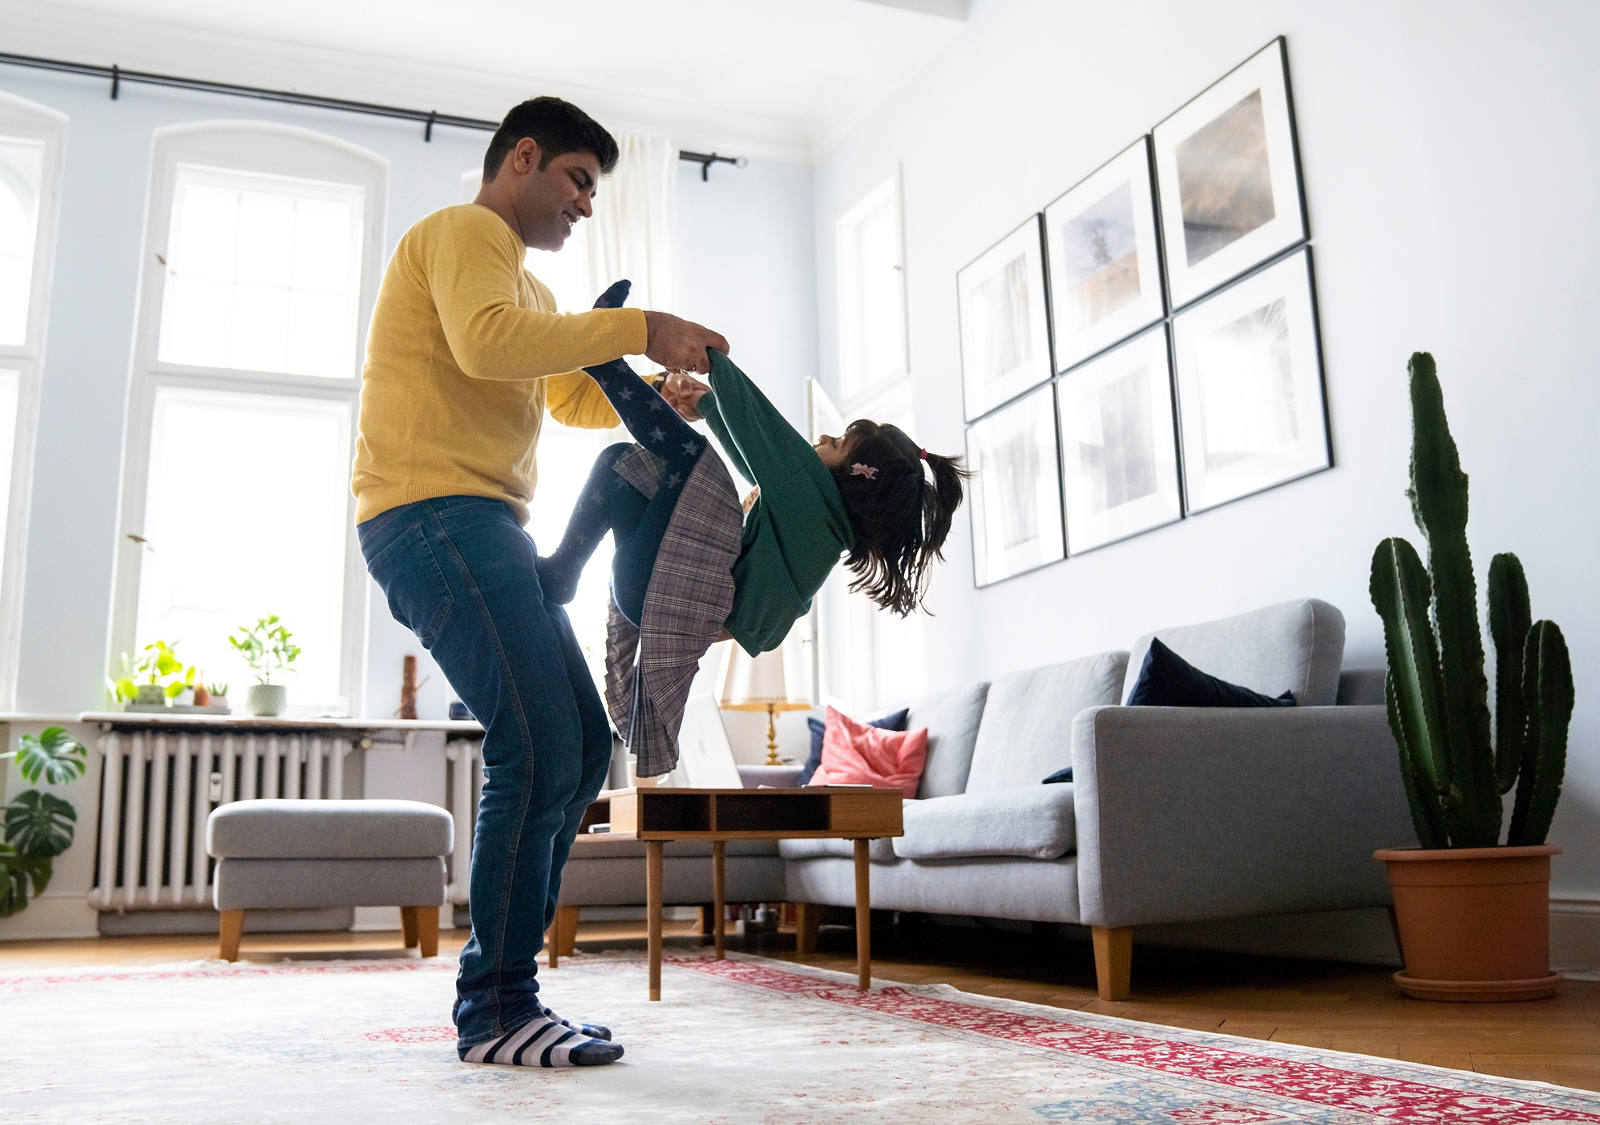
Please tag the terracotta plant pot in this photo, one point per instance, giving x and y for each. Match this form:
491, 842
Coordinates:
1473, 923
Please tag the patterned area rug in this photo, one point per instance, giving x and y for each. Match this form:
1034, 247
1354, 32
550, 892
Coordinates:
738, 1041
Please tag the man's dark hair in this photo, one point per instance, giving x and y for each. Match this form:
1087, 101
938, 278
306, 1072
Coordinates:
557, 127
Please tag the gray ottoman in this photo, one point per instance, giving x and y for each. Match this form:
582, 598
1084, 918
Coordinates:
283, 854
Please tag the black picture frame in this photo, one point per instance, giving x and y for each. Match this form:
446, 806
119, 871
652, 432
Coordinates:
1252, 407
1004, 320
1119, 449
1104, 257
1015, 492
1228, 177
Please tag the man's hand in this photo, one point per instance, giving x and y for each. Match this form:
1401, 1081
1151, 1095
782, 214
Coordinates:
682, 393
678, 344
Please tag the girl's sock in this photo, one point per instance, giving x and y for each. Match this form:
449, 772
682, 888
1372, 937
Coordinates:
544, 1042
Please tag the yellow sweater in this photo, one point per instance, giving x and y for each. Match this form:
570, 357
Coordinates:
465, 354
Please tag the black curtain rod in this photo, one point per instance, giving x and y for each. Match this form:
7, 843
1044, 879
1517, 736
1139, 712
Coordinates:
429, 118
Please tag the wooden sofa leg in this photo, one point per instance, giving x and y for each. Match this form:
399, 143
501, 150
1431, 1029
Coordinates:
231, 929
807, 922
428, 930
567, 929
408, 925
1113, 961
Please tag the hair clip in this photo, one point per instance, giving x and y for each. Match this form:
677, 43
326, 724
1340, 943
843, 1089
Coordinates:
860, 470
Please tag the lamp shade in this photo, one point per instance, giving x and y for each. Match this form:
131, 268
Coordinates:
758, 683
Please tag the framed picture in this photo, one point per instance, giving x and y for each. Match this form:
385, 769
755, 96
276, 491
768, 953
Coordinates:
1105, 272
1228, 175
1119, 451
1249, 375
1016, 489
1005, 342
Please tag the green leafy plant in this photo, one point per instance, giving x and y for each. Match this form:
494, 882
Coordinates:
218, 690
38, 826
1455, 766
266, 647
157, 665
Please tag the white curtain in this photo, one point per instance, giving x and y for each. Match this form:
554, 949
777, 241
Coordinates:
635, 220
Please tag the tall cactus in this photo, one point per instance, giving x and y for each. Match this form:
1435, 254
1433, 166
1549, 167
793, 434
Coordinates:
1437, 691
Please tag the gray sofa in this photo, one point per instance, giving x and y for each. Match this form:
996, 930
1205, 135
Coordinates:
1173, 814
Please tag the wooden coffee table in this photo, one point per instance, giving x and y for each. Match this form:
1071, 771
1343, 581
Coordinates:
844, 812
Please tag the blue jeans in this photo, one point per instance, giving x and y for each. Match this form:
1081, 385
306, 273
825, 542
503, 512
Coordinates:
458, 571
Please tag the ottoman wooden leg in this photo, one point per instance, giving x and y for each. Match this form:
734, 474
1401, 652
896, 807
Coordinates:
408, 925
231, 929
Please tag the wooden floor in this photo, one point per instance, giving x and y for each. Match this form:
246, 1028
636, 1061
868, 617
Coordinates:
1321, 1004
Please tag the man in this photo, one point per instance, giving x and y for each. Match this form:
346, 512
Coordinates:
465, 355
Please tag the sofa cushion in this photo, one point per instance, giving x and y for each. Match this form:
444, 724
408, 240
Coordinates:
951, 718
1027, 720
861, 754
1168, 680
1291, 646
277, 828
878, 851
895, 720
1035, 821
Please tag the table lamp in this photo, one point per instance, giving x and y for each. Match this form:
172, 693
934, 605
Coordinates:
758, 683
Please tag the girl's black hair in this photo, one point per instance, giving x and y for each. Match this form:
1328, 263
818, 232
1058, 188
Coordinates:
900, 517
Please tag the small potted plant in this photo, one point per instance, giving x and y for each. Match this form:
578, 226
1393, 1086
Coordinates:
38, 826
218, 693
154, 679
1472, 914
268, 649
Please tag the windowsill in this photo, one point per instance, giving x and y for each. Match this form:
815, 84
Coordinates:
136, 719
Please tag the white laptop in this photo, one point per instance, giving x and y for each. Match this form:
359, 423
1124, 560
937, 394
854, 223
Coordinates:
705, 756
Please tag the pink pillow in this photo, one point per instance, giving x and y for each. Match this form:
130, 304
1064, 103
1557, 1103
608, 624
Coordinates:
861, 754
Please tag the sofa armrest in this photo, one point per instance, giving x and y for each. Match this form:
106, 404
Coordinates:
1192, 813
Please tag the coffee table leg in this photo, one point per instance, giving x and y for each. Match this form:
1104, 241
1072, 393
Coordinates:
652, 891
863, 917
719, 892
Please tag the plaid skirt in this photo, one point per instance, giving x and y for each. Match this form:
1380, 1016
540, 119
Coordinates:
649, 669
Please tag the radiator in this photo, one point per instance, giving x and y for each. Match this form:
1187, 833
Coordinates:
463, 786
158, 787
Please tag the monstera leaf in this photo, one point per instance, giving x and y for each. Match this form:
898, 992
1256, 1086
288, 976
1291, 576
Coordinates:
52, 754
40, 825
18, 875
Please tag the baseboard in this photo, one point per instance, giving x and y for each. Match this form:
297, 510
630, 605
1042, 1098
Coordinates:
52, 916
1575, 937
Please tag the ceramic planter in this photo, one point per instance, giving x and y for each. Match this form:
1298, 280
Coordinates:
266, 700
1473, 923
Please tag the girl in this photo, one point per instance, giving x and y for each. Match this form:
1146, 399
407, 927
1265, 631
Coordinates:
691, 569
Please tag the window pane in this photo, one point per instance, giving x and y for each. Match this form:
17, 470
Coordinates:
245, 516
10, 382
21, 170
263, 274
565, 458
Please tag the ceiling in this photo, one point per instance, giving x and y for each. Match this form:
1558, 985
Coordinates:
772, 78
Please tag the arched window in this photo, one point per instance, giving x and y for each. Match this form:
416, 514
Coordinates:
263, 252
32, 139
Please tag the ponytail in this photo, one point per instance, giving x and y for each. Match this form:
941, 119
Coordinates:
899, 516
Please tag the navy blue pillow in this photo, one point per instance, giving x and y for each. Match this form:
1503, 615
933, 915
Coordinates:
1064, 774
894, 721
1168, 680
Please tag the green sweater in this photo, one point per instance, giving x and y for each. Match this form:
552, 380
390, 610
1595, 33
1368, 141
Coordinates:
797, 529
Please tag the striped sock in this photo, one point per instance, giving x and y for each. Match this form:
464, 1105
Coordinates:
543, 1042
592, 1030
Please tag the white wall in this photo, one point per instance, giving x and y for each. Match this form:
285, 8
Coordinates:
762, 300
1450, 159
